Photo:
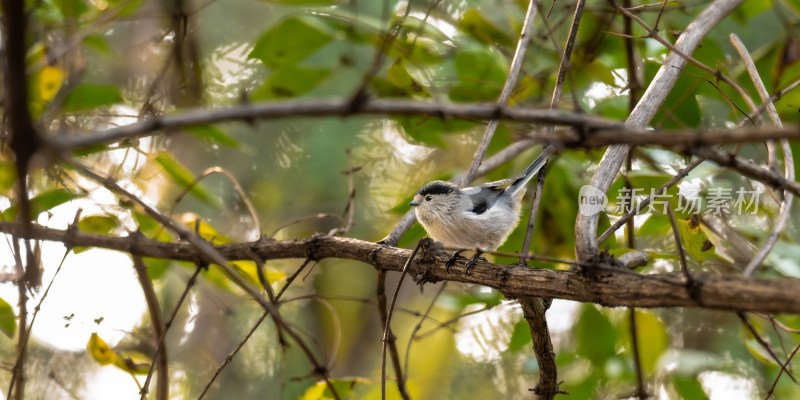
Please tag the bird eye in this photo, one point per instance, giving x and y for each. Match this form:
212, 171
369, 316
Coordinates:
428, 198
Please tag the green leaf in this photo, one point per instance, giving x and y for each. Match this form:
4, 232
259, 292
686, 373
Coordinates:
213, 134
95, 224
8, 175
8, 321
290, 42
87, 96
760, 353
596, 336
429, 130
689, 388
482, 75
653, 339
42, 202
399, 76
71, 8
307, 2
156, 266
474, 24
99, 44
290, 81
98, 224
520, 337
320, 390
656, 225
183, 177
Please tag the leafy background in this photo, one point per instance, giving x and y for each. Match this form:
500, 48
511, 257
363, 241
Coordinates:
97, 64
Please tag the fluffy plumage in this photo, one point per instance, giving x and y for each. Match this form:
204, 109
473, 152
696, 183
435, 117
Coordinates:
478, 217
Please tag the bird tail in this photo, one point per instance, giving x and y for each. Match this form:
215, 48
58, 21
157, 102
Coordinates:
529, 172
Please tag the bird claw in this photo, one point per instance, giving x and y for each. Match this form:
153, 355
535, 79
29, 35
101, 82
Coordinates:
472, 261
452, 260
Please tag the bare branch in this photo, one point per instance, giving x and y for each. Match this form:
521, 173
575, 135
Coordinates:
534, 310
606, 285
380, 294
154, 309
322, 108
786, 204
652, 99
505, 94
208, 253
387, 329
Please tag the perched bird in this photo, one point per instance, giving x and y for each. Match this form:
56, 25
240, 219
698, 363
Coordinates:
478, 217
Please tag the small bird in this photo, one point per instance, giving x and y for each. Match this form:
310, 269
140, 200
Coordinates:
478, 217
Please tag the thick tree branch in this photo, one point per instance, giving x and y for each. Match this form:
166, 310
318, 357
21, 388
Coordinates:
604, 286
534, 310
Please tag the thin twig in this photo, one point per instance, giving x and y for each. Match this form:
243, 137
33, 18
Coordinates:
451, 321
743, 317
641, 393
644, 203
786, 204
537, 197
563, 66
210, 253
380, 295
292, 278
505, 94
18, 373
161, 340
678, 243
419, 325
783, 368
154, 309
651, 101
232, 354
236, 185
387, 326
717, 74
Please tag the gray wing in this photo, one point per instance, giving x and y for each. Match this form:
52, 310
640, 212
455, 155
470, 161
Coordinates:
483, 197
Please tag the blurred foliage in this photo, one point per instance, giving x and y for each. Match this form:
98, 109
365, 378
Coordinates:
94, 65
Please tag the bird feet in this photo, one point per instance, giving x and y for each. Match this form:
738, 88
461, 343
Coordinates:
452, 260
477, 257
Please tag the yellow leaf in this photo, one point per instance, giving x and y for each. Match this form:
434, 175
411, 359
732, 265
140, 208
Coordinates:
133, 362
694, 239
50, 80
206, 231
100, 351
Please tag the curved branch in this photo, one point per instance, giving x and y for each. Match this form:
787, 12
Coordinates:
603, 285
652, 100
786, 204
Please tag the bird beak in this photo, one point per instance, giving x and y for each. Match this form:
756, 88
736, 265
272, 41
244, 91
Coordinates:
413, 203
